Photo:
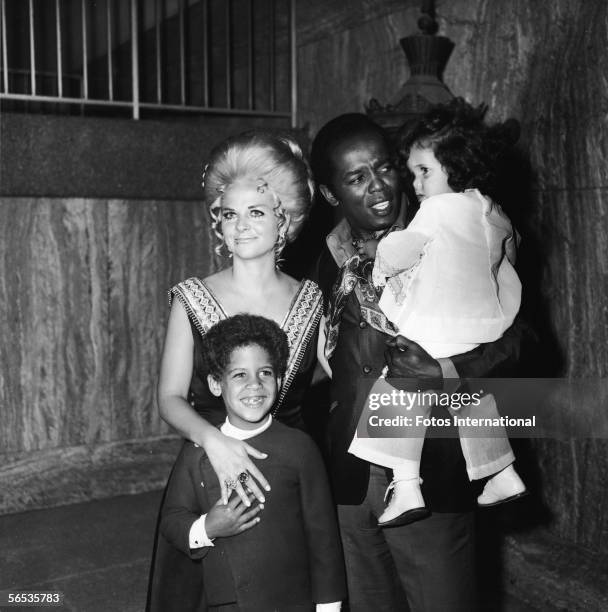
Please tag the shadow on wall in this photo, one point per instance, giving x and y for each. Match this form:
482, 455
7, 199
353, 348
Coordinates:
516, 192
540, 358
301, 255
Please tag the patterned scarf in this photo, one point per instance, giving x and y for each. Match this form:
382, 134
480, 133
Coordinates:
355, 275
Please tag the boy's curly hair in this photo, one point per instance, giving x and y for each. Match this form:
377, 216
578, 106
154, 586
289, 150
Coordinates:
239, 331
469, 150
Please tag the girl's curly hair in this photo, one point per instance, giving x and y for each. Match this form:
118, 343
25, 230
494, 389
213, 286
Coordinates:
244, 330
469, 150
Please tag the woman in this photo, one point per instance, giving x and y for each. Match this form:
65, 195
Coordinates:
259, 189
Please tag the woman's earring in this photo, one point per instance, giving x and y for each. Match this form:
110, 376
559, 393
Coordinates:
281, 241
279, 246
283, 220
222, 248
225, 250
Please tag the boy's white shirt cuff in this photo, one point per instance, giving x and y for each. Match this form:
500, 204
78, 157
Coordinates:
334, 606
197, 537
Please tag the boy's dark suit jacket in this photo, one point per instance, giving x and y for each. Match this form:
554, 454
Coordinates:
289, 560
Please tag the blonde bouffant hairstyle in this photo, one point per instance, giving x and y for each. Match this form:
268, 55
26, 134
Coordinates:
273, 161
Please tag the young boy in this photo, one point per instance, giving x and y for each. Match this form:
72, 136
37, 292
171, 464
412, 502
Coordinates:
284, 554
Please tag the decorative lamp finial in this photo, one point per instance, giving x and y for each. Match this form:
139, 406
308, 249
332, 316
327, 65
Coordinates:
427, 56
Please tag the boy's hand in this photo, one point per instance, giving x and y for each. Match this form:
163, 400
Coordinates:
224, 520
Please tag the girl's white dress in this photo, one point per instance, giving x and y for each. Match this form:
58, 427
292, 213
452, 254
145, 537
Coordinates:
450, 281
450, 285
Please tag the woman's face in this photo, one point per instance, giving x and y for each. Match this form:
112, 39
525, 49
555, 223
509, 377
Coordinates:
249, 224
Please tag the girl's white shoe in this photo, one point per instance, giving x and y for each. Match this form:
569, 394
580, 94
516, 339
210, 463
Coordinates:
501, 488
406, 503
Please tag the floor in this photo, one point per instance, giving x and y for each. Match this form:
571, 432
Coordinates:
97, 554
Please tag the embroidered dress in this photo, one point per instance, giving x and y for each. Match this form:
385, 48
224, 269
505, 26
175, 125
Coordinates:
300, 324
173, 573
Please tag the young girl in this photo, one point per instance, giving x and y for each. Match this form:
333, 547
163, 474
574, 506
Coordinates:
449, 285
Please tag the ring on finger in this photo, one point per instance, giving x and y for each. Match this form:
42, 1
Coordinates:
230, 483
243, 476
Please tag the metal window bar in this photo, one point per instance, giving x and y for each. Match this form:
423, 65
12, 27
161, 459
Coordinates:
228, 56
32, 49
250, 55
110, 49
158, 16
182, 53
135, 59
9, 65
205, 30
294, 63
4, 46
85, 51
271, 62
59, 49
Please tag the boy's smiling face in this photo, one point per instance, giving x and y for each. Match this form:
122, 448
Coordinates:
248, 386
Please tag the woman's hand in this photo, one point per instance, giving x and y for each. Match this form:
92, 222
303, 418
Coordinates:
230, 459
224, 520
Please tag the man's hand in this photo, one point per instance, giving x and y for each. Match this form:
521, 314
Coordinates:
407, 359
225, 520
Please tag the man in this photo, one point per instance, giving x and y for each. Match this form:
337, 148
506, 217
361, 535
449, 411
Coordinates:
429, 563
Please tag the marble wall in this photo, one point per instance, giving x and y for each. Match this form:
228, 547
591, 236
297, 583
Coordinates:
85, 283
54, 256
100, 218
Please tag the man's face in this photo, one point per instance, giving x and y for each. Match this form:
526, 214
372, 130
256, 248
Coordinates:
365, 182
